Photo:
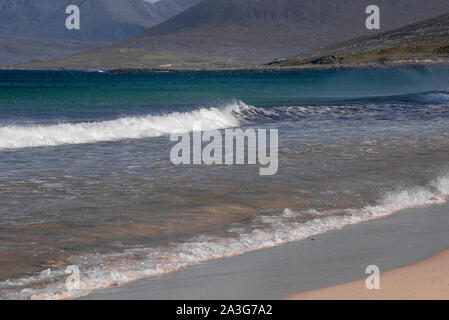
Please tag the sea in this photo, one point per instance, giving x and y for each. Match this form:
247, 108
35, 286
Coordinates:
88, 189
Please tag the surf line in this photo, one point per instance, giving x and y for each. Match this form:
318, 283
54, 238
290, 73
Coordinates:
231, 148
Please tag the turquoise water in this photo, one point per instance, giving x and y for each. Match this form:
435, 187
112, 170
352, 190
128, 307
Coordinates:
47, 96
86, 178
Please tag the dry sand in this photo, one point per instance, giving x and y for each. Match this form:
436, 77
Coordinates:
427, 279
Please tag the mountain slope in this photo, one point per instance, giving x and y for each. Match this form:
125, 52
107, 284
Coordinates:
435, 30
165, 9
17, 50
102, 21
263, 29
424, 40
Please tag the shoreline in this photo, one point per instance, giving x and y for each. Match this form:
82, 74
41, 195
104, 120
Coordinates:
326, 260
258, 68
306, 67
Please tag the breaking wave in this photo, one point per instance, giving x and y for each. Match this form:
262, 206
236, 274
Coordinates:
124, 128
231, 115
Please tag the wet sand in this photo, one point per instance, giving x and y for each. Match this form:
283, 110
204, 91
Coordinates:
326, 260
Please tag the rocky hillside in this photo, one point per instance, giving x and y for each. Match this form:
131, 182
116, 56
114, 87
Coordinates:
424, 40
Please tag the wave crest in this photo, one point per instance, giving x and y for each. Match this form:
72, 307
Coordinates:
124, 128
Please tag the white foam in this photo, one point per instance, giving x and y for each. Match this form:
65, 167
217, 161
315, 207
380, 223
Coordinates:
442, 184
123, 128
404, 199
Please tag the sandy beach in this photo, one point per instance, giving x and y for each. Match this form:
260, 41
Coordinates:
424, 280
327, 260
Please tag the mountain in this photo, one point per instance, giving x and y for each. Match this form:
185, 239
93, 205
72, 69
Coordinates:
263, 29
425, 40
102, 21
252, 31
165, 9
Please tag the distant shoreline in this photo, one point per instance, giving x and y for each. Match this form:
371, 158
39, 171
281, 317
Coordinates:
262, 68
309, 67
